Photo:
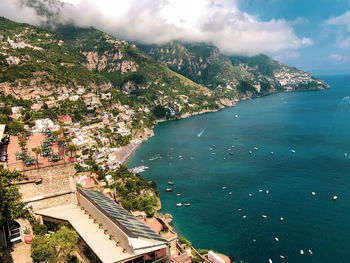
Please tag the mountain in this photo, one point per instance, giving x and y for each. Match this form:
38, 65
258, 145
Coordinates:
231, 76
86, 73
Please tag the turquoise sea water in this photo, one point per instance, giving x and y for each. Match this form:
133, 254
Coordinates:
315, 124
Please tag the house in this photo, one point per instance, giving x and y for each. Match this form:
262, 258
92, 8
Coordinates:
66, 119
16, 112
44, 124
106, 96
36, 107
129, 239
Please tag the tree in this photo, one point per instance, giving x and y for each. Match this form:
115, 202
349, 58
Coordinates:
72, 148
11, 206
37, 150
57, 248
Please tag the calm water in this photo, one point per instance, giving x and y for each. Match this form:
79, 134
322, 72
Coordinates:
315, 124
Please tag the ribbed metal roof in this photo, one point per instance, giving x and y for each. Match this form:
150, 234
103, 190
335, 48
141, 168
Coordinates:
129, 223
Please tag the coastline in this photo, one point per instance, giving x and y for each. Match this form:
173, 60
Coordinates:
129, 150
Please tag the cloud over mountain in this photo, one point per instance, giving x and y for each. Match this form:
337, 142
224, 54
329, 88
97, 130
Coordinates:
219, 22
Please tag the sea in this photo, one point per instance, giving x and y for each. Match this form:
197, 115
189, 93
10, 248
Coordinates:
258, 204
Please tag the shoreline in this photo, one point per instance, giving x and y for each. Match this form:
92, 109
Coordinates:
149, 132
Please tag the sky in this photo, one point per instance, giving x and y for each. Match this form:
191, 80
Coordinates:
313, 35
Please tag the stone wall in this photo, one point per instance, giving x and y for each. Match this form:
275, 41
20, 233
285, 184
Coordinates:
52, 186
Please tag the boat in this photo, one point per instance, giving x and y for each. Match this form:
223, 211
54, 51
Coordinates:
256, 148
335, 197
267, 192
270, 260
224, 187
168, 189
254, 240
293, 151
302, 252
282, 218
244, 216
187, 204
230, 193
313, 193
272, 153
276, 239
236, 116
250, 152
346, 154
170, 183
264, 216
260, 190
178, 204
230, 153
178, 194
281, 256
250, 194
139, 169
310, 251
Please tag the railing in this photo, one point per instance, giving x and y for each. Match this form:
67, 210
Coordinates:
21, 166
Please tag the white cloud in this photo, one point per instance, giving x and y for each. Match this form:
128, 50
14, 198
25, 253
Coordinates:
342, 20
219, 22
287, 56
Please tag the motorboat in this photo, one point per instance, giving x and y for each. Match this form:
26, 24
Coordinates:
256, 148
187, 204
178, 204
267, 192
170, 183
276, 239
282, 218
293, 151
302, 252
244, 216
313, 193
264, 216
168, 189
272, 153
310, 251
250, 152
335, 197
281, 256
236, 116
178, 194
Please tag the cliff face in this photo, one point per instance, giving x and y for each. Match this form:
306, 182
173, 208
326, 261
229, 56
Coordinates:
152, 82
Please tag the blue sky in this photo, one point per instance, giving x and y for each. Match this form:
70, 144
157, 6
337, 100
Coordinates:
330, 51
313, 35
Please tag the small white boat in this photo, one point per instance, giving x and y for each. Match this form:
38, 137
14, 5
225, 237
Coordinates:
178, 204
170, 183
302, 252
256, 148
267, 192
281, 256
282, 218
224, 187
313, 193
276, 239
239, 209
335, 197
250, 152
264, 216
187, 204
210, 149
230, 193
168, 189
346, 154
270, 260
272, 153
236, 116
310, 251
250, 194
178, 194
244, 216
260, 190
254, 240
293, 151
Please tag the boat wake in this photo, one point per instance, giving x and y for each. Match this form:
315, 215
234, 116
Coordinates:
201, 133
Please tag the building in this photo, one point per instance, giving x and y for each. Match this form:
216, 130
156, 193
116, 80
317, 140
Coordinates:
132, 241
66, 119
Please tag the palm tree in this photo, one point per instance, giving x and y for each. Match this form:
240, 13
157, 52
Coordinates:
37, 150
72, 148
